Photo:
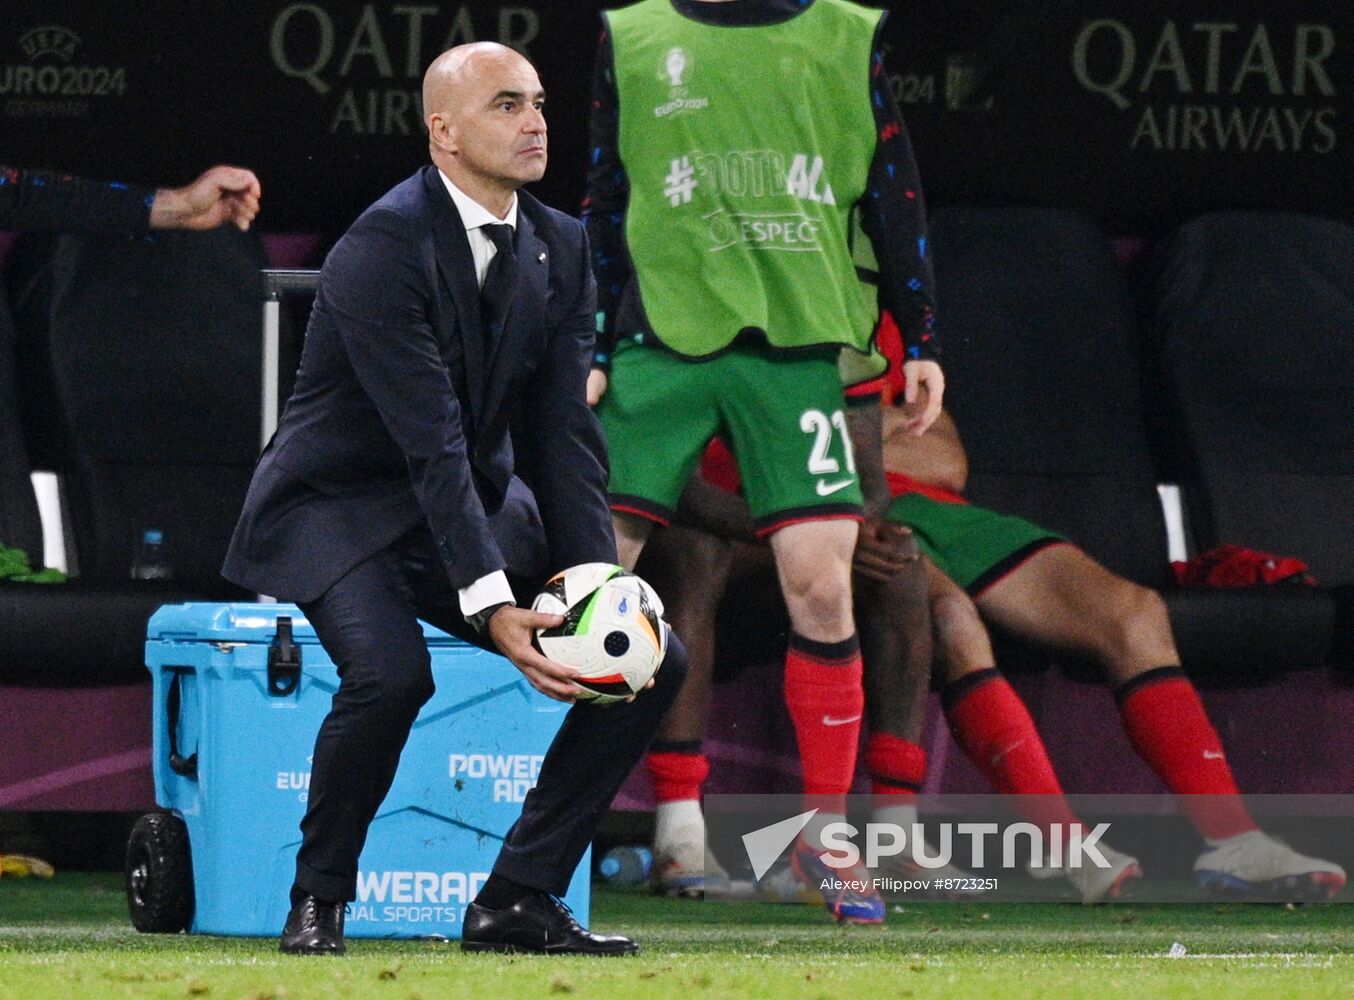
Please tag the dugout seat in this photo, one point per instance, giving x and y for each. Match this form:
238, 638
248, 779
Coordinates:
1042, 358
137, 381
1041, 364
1253, 322
139, 384
20, 526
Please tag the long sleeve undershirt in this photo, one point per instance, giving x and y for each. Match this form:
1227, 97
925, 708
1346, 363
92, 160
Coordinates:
44, 200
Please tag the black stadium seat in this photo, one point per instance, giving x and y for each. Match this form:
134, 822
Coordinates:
20, 527
139, 382
1042, 359
1254, 319
1042, 376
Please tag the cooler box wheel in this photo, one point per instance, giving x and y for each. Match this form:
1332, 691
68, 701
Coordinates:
159, 875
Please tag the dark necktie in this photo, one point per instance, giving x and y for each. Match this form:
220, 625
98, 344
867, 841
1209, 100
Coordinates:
500, 282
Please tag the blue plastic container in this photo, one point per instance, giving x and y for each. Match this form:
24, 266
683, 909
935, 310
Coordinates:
235, 765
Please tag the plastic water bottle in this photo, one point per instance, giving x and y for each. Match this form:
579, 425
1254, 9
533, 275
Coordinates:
626, 865
151, 561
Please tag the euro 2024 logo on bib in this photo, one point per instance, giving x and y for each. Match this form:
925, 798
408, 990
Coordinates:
675, 69
674, 65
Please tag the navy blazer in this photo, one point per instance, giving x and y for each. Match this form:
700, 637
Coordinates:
401, 412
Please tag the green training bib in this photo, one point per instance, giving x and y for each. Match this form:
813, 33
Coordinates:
746, 148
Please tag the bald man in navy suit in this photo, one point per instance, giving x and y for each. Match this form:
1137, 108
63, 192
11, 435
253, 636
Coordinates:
438, 459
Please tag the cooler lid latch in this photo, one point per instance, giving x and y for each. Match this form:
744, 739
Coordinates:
284, 660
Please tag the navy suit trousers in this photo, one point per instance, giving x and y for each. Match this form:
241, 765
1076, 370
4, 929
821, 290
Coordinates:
367, 622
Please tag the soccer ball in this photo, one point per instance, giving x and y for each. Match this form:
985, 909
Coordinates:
613, 632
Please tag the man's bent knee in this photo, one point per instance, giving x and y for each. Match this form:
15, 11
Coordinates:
406, 692
389, 681
820, 606
1139, 637
813, 562
902, 601
961, 642
953, 613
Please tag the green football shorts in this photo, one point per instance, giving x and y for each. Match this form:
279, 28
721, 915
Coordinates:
783, 415
973, 546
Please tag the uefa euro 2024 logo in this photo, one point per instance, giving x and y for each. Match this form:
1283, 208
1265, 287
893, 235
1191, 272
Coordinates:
674, 70
674, 65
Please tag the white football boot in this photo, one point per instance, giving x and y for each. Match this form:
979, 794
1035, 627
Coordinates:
682, 865
1100, 885
1255, 865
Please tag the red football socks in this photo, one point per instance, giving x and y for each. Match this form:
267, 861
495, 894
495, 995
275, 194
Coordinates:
994, 729
677, 775
824, 695
1167, 725
896, 766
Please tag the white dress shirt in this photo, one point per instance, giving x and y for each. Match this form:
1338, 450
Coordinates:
493, 588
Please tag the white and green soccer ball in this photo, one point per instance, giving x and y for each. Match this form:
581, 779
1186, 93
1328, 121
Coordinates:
613, 632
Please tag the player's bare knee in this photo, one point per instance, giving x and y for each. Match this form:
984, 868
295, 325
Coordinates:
820, 604
901, 603
910, 600
1140, 629
953, 615
960, 639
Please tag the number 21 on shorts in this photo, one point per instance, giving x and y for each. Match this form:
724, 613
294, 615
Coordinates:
821, 464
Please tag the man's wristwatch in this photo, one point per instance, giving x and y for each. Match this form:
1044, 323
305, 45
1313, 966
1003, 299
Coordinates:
479, 621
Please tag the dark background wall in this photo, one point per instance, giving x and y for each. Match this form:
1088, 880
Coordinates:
1141, 112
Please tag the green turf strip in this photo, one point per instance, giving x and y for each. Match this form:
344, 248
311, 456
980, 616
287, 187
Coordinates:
70, 938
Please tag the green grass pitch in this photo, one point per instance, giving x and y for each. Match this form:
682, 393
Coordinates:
70, 938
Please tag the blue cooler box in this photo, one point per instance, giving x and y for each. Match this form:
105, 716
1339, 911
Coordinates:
237, 704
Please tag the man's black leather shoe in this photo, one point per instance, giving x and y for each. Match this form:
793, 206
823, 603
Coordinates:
539, 924
314, 927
